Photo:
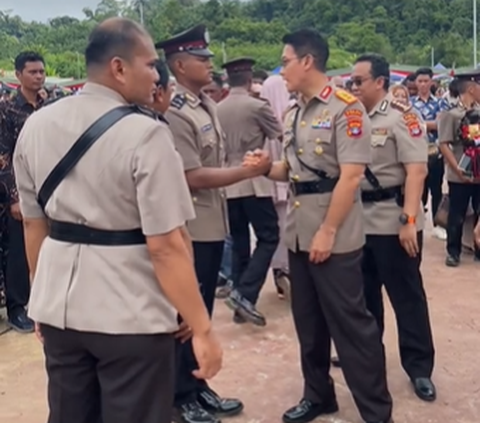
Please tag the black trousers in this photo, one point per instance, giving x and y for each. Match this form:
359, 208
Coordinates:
98, 378
386, 263
328, 302
3, 251
249, 271
433, 184
460, 196
17, 279
208, 258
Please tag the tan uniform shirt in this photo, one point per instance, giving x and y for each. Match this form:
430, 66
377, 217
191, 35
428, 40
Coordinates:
448, 126
132, 177
247, 123
398, 138
199, 140
333, 129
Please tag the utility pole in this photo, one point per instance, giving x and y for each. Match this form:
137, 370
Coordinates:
475, 63
140, 10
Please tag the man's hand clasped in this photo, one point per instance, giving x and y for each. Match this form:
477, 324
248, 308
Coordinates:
258, 162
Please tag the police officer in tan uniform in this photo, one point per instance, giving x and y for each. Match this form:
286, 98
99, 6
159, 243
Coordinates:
248, 122
394, 218
461, 188
109, 263
199, 140
326, 148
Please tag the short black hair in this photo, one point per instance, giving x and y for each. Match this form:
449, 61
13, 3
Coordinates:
462, 85
380, 68
240, 79
424, 71
162, 70
409, 78
111, 38
27, 56
453, 88
260, 74
309, 41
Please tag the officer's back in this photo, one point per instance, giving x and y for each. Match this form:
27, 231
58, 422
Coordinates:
104, 293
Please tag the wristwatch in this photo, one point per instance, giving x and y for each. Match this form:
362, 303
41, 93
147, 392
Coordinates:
405, 219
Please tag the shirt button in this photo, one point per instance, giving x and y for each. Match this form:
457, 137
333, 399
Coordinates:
303, 123
318, 140
300, 151
318, 151
296, 178
194, 199
296, 204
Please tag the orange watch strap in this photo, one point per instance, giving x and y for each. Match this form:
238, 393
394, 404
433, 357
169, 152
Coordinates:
411, 220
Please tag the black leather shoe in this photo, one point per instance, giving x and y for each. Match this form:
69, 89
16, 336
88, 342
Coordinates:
306, 411
238, 319
222, 407
424, 389
224, 291
21, 323
192, 412
245, 308
452, 261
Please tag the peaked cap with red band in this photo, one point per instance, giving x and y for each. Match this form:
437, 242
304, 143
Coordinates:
194, 41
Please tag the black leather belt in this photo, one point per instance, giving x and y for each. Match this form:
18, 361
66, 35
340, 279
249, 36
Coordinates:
382, 194
313, 187
80, 234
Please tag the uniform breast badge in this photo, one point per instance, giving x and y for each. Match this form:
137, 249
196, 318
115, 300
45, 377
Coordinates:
324, 121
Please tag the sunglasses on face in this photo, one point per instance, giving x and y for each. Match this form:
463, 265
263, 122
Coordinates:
359, 81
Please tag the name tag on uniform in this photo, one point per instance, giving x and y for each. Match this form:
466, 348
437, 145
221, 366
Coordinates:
206, 128
379, 131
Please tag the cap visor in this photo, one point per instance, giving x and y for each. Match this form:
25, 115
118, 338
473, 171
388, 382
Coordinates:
204, 52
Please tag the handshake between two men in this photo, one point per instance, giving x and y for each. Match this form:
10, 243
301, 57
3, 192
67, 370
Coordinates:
258, 161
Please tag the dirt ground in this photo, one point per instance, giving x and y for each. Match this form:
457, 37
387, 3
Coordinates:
261, 365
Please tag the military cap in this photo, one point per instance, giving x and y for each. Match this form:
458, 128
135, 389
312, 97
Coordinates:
194, 41
242, 64
473, 75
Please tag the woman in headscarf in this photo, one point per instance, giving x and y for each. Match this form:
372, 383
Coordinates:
275, 92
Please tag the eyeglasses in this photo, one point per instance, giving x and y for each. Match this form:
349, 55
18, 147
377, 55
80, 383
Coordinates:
359, 81
286, 61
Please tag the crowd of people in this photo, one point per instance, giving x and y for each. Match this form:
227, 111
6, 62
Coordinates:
131, 206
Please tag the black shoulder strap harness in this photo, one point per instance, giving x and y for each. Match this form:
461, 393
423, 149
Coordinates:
318, 172
70, 232
378, 194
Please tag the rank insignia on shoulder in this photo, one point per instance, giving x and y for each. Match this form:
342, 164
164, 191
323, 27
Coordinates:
383, 106
178, 101
325, 94
345, 96
400, 106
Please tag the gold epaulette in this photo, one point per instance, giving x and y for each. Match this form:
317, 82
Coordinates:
345, 96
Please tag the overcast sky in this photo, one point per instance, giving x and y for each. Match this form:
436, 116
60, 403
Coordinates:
41, 10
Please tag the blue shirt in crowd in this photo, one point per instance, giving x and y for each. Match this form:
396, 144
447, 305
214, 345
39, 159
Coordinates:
429, 110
